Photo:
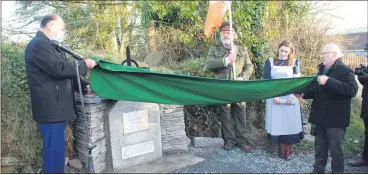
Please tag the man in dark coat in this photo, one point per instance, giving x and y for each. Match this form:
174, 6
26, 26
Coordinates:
50, 78
330, 110
363, 79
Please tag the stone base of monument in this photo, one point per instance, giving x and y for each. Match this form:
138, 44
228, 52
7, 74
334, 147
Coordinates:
169, 163
135, 134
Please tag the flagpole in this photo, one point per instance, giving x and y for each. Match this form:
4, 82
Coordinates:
231, 37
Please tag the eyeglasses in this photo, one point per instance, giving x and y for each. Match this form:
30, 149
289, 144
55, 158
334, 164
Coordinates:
325, 53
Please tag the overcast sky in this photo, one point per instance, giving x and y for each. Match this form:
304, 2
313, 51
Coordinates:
353, 15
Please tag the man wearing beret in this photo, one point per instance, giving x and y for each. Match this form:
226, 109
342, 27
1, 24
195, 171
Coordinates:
220, 60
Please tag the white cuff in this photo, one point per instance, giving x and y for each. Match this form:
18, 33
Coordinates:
283, 101
227, 61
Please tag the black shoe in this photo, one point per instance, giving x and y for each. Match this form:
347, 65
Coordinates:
317, 172
358, 164
332, 172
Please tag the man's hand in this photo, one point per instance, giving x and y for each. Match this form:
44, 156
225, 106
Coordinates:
299, 95
90, 63
322, 79
232, 56
277, 100
89, 90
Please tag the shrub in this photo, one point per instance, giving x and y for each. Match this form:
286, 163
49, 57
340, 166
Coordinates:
19, 133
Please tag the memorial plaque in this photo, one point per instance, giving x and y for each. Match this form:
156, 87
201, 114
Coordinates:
137, 149
135, 121
135, 134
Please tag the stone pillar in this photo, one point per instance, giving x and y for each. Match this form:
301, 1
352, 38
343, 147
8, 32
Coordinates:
174, 139
95, 109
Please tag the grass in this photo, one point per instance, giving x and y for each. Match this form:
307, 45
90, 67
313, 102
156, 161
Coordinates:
20, 137
354, 138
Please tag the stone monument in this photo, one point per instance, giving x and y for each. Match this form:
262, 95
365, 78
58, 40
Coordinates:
128, 134
134, 134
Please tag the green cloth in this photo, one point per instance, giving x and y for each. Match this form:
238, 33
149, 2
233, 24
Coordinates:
118, 82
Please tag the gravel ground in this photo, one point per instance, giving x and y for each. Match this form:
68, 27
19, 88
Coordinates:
259, 161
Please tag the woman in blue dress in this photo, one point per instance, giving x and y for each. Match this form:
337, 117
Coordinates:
283, 114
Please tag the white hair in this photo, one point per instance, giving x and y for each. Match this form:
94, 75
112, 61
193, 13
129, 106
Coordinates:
334, 48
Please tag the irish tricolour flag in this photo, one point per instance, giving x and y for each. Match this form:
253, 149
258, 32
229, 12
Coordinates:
215, 14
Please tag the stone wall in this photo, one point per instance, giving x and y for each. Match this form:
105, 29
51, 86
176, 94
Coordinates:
95, 113
174, 139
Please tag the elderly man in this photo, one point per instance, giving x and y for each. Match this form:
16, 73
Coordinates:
50, 82
363, 79
331, 108
221, 58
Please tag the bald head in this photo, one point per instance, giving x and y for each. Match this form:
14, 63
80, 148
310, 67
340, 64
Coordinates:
53, 26
48, 18
330, 53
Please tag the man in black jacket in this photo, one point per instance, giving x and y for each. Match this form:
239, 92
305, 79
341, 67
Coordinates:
50, 78
330, 110
363, 79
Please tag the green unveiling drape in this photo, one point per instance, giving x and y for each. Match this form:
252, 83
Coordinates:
118, 82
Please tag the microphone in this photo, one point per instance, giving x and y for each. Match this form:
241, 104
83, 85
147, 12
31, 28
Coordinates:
59, 46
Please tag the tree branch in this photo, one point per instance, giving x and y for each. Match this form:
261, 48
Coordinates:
11, 33
15, 28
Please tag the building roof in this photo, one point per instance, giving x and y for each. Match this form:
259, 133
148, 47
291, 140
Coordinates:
359, 40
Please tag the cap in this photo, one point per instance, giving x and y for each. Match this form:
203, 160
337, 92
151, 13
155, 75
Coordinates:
226, 27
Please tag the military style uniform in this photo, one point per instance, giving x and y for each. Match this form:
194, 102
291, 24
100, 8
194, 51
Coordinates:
231, 116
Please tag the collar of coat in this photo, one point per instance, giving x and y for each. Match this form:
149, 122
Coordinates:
337, 64
42, 35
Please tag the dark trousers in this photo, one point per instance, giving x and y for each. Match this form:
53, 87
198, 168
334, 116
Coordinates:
233, 123
329, 139
365, 151
53, 152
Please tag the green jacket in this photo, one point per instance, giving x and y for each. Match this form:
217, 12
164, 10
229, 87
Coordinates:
216, 62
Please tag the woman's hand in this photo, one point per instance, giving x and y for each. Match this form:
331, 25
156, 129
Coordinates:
277, 100
289, 101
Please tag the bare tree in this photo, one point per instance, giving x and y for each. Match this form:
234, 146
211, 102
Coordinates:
308, 30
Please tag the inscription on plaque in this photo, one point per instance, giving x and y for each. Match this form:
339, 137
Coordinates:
135, 121
137, 149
